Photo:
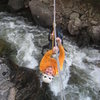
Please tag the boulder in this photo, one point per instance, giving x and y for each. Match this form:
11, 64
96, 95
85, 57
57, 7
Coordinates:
74, 26
41, 13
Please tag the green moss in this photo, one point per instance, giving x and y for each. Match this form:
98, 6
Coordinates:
5, 47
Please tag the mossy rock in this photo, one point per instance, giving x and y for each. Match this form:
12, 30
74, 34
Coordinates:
5, 48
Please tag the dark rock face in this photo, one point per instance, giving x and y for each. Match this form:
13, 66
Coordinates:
96, 33
3, 1
16, 4
21, 83
4, 48
27, 83
28, 86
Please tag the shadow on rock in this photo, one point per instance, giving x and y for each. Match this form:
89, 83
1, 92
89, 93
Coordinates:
28, 86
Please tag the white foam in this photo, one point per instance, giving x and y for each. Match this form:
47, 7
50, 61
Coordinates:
22, 39
56, 84
96, 76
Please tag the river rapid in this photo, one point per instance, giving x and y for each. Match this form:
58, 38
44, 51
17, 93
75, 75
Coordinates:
81, 71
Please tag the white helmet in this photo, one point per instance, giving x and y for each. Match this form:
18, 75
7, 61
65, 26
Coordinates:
47, 78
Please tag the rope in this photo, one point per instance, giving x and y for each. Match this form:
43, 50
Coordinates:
58, 65
53, 39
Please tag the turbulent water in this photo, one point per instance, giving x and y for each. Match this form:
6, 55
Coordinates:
81, 71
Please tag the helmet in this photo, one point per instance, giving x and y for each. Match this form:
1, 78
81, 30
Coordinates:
47, 78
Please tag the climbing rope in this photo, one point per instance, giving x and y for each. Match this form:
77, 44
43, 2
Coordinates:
58, 65
53, 39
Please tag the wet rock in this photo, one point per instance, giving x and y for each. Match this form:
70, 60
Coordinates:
12, 94
72, 96
96, 33
4, 71
76, 78
16, 4
28, 85
5, 83
4, 48
83, 36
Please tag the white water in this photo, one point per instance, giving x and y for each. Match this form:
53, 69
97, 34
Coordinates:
65, 74
17, 33
27, 39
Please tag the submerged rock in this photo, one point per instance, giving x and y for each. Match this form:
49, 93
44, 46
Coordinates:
4, 47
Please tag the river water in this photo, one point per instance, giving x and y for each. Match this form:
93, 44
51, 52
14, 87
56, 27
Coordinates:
81, 71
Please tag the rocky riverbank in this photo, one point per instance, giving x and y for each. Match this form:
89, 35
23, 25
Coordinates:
20, 83
79, 19
81, 66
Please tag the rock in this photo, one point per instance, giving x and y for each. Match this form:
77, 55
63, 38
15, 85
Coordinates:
94, 22
5, 83
45, 1
96, 33
75, 76
41, 13
3, 1
4, 48
28, 85
12, 94
77, 22
16, 4
74, 26
4, 71
74, 15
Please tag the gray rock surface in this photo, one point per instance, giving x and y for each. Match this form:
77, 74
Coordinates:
5, 83
41, 12
96, 32
16, 4
74, 26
